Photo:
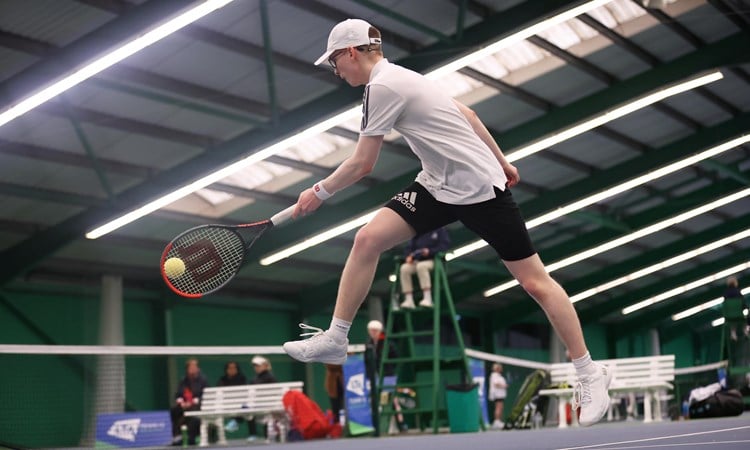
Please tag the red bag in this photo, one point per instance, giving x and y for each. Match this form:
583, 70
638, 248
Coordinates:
305, 415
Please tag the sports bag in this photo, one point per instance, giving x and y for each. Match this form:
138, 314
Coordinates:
720, 404
305, 415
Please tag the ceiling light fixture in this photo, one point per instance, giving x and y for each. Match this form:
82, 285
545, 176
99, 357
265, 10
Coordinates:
317, 239
335, 121
628, 238
721, 320
111, 58
685, 288
704, 306
660, 266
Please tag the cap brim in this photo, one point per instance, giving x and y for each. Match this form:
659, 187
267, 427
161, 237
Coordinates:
324, 57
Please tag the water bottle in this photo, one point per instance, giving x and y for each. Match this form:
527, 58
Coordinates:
722, 372
342, 417
537, 420
282, 431
685, 409
184, 431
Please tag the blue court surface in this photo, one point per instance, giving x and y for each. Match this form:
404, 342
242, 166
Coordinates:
731, 433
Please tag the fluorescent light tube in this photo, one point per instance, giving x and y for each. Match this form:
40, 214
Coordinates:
110, 59
685, 288
611, 115
660, 266
220, 174
318, 238
721, 320
629, 237
704, 306
336, 120
514, 38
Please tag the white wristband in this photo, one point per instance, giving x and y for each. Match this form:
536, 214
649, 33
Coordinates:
320, 191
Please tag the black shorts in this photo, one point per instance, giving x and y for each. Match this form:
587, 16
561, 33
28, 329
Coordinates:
498, 221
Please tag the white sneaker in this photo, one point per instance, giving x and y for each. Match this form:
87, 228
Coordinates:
591, 394
498, 425
408, 304
426, 303
319, 347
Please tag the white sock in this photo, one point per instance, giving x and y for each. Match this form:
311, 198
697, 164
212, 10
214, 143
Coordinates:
427, 296
409, 297
339, 330
584, 364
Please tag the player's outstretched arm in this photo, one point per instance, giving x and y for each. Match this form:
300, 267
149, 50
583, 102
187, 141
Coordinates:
351, 170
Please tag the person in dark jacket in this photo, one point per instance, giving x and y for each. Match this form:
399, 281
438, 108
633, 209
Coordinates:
187, 398
233, 376
419, 259
733, 291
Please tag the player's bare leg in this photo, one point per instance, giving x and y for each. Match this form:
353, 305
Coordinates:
592, 390
384, 231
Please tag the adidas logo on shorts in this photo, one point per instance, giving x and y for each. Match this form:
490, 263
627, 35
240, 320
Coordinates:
408, 199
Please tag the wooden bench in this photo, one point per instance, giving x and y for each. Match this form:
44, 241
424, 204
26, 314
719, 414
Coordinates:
648, 375
245, 401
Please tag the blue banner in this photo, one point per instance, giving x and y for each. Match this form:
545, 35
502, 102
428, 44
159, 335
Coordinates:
478, 376
357, 396
128, 430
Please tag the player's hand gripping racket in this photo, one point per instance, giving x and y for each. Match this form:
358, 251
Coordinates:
203, 259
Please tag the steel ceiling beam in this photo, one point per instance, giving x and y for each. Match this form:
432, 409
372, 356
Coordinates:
221, 40
117, 31
113, 78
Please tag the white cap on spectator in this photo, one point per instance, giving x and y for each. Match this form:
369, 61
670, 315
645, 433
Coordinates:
375, 325
259, 360
349, 33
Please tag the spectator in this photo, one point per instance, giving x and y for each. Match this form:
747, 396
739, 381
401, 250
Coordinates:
373, 358
498, 391
419, 259
233, 376
187, 398
263, 375
734, 318
334, 383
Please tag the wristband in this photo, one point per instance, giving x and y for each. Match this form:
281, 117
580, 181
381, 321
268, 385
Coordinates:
320, 191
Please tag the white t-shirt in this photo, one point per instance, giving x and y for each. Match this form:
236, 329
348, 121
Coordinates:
457, 167
497, 393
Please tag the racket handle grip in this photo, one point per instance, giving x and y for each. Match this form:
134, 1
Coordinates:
283, 216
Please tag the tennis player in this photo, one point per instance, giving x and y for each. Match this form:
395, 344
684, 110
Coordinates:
464, 177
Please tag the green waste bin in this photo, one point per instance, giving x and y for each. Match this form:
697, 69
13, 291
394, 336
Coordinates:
462, 401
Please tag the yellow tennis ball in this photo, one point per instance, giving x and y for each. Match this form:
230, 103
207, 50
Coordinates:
174, 267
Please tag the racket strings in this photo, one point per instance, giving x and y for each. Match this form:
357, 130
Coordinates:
212, 255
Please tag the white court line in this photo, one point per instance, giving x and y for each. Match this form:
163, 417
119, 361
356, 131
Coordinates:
686, 444
656, 438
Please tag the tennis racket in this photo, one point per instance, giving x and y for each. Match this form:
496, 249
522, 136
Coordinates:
203, 259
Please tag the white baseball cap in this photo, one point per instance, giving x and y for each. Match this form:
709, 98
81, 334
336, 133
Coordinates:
349, 33
375, 325
259, 360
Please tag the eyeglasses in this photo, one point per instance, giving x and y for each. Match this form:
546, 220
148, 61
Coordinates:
334, 56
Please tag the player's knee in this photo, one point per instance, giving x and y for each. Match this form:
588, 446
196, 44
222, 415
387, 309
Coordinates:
366, 242
535, 287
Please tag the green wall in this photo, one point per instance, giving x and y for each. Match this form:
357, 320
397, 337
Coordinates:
46, 399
